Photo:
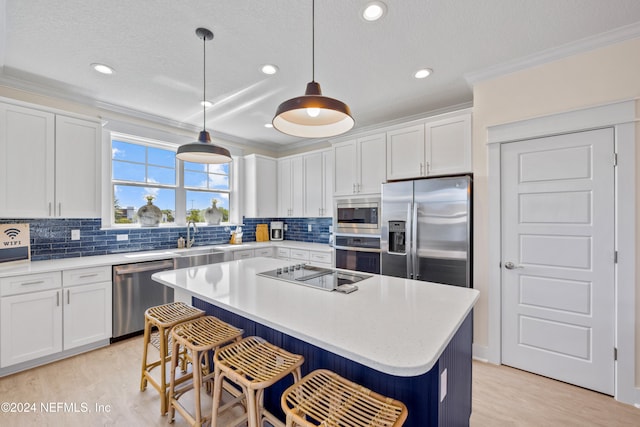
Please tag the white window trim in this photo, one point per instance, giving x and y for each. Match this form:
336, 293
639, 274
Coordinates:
180, 211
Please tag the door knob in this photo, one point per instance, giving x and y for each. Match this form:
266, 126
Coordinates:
510, 266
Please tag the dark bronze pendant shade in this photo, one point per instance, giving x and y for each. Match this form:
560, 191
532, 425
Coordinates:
313, 115
203, 151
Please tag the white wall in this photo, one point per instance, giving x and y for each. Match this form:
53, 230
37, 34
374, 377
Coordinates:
594, 78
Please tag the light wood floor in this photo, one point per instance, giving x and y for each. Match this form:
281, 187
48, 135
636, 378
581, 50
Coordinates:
109, 377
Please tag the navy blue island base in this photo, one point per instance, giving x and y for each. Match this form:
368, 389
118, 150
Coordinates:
438, 398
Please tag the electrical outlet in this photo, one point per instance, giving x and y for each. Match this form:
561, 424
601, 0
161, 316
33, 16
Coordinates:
120, 237
285, 227
309, 228
75, 234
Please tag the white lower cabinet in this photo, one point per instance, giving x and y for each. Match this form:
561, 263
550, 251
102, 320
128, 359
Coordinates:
283, 253
44, 314
87, 314
30, 326
243, 254
264, 252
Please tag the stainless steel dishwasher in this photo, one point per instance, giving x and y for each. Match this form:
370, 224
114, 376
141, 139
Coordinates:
133, 292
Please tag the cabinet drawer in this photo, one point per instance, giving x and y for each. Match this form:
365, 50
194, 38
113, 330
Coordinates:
284, 253
244, 254
300, 254
82, 276
30, 283
323, 257
265, 252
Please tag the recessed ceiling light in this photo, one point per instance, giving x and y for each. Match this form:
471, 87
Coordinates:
101, 68
423, 73
269, 69
374, 10
206, 104
268, 125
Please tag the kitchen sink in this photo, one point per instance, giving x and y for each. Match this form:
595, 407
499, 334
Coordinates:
195, 257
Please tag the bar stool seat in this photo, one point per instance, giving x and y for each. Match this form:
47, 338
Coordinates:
253, 364
323, 398
163, 317
198, 336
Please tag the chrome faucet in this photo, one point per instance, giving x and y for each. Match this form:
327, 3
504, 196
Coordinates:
191, 240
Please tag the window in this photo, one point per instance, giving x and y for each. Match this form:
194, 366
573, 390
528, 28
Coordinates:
142, 171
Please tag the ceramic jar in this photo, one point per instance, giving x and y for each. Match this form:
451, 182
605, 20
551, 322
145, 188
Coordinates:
212, 215
149, 215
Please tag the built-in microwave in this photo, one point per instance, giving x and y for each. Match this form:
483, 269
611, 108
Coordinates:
357, 216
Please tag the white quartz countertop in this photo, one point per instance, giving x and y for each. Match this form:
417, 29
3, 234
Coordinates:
396, 326
33, 267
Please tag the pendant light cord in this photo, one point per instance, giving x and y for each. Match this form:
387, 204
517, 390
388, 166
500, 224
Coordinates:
313, 40
204, 82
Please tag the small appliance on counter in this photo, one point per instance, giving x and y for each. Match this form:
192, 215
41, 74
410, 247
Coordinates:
277, 230
262, 233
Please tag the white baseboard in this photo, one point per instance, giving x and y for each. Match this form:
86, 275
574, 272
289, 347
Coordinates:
480, 352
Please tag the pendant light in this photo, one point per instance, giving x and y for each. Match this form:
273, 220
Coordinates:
313, 115
203, 151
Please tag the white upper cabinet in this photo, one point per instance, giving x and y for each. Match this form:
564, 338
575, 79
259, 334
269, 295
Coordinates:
359, 166
260, 195
440, 147
50, 165
318, 173
290, 187
77, 168
27, 158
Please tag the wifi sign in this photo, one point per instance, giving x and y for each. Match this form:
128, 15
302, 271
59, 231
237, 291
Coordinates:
12, 232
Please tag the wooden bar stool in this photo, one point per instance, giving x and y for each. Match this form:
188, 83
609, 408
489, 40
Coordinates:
199, 336
253, 364
163, 317
325, 398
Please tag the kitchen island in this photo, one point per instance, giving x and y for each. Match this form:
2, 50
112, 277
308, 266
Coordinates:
402, 338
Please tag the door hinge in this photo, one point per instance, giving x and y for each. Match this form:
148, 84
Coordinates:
615, 354
615, 257
615, 159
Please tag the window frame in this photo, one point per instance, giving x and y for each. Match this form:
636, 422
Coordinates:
181, 210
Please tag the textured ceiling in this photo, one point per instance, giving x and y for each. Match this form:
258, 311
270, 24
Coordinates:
158, 58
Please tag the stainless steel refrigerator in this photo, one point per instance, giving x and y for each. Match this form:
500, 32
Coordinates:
426, 230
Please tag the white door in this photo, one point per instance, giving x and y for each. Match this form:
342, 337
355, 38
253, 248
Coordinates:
313, 180
87, 314
372, 153
558, 257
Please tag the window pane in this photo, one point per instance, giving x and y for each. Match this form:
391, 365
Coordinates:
158, 175
195, 179
126, 151
218, 182
198, 167
198, 201
222, 169
128, 171
160, 157
128, 199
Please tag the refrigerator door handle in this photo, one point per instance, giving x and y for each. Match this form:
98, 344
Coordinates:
409, 242
414, 243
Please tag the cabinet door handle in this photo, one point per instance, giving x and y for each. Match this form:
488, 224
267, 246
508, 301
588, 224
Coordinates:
59, 208
57, 298
359, 189
428, 168
84, 276
68, 297
49, 208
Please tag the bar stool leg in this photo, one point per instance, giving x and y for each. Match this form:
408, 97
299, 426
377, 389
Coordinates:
163, 370
218, 378
147, 333
172, 385
197, 383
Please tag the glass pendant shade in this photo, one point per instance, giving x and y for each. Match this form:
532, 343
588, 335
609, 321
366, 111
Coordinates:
313, 115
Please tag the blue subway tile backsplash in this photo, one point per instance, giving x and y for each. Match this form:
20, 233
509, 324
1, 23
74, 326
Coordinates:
51, 238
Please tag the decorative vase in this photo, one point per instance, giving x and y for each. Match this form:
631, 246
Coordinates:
212, 215
149, 215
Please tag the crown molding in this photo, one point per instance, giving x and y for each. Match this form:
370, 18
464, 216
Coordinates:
608, 38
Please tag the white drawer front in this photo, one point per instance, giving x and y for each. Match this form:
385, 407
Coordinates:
284, 253
323, 257
244, 254
30, 283
265, 252
300, 254
82, 276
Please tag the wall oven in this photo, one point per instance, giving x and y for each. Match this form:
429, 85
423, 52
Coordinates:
357, 216
359, 253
